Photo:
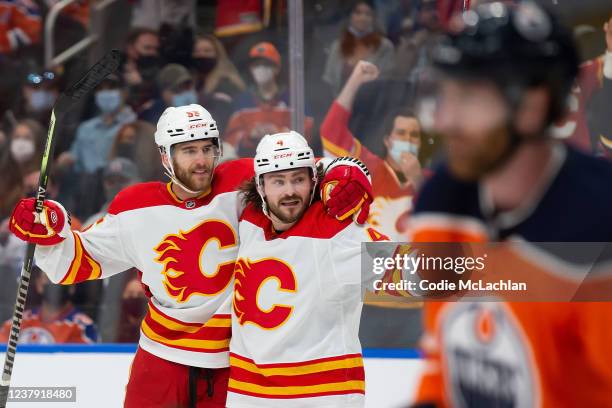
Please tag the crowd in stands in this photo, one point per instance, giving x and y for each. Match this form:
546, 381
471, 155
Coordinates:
368, 94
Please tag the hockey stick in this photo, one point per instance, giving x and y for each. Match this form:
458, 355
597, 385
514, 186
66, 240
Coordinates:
92, 78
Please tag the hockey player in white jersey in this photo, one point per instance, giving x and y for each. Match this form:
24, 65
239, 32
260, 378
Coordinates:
297, 295
183, 237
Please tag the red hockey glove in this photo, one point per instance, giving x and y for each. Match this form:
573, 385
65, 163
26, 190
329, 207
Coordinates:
46, 230
346, 189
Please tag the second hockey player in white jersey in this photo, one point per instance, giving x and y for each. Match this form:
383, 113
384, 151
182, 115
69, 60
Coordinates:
297, 296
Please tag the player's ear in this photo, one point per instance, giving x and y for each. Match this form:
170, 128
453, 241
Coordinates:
260, 187
532, 111
164, 158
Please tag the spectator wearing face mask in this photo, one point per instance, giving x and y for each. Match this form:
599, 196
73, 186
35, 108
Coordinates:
56, 321
135, 141
27, 143
39, 91
89, 151
360, 40
176, 88
216, 78
398, 173
141, 56
264, 107
212, 69
142, 63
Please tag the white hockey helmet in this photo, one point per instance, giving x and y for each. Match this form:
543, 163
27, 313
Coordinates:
185, 124
282, 151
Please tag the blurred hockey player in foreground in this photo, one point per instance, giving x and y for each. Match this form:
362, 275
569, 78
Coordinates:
297, 294
183, 237
506, 73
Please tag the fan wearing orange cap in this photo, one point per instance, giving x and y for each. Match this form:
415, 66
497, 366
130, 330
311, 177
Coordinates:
265, 65
263, 108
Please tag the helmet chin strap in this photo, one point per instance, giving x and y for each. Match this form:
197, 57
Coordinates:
264, 206
176, 181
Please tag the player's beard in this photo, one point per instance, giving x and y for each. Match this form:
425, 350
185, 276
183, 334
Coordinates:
192, 180
288, 215
469, 161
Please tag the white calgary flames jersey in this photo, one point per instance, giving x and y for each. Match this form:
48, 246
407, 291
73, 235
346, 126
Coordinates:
186, 252
296, 311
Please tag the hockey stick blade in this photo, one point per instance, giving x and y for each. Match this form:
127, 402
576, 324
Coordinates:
92, 78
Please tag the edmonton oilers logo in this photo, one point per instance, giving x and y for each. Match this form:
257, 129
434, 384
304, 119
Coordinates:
488, 361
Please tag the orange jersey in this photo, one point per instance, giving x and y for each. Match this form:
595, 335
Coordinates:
392, 198
72, 327
485, 354
242, 129
20, 24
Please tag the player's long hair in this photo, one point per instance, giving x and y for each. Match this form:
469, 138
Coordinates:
248, 190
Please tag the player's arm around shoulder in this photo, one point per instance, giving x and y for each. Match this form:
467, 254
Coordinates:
229, 175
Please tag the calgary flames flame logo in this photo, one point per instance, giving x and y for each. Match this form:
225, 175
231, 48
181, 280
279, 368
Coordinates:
249, 278
181, 255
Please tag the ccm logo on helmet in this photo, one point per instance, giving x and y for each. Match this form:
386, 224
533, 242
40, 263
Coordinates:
197, 125
282, 155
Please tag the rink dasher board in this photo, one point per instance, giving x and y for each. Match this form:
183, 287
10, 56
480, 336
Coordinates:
100, 373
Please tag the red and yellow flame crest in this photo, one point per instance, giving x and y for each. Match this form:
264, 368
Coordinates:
180, 255
249, 278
